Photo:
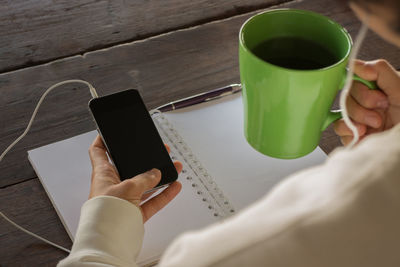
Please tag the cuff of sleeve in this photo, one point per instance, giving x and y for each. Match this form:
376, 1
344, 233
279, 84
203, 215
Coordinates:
111, 226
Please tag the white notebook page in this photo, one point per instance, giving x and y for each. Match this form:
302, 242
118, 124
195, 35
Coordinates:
216, 136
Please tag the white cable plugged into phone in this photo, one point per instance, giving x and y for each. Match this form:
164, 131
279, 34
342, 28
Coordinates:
94, 95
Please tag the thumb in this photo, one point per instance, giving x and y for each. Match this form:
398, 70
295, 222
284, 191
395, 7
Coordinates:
143, 182
386, 77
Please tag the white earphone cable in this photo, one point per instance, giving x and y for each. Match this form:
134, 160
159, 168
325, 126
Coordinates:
94, 95
349, 81
33, 234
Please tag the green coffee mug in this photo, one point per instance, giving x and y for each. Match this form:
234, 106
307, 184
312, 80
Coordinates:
292, 65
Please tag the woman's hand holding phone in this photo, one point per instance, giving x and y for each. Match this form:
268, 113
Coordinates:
106, 182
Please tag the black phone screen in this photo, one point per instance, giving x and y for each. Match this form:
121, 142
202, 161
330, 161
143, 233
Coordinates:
131, 138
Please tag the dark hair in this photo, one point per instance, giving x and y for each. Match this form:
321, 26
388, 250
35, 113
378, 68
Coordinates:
393, 5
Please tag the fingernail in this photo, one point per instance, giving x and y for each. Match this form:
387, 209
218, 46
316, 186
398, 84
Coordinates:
383, 104
153, 173
372, 121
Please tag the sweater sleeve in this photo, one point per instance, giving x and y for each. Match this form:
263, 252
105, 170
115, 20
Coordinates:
342, 213
110, 233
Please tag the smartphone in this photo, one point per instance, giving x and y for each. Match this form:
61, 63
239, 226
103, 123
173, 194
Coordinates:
130, 136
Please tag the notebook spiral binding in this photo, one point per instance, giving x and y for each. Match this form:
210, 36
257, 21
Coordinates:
202, 184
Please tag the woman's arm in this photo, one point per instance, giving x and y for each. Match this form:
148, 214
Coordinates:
110, 233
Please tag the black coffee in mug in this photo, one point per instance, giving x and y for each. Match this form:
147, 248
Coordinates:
295, 53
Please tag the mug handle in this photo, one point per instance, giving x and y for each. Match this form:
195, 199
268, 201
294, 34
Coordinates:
335, 115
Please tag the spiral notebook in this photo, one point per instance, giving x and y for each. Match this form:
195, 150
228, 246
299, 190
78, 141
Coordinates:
222, 174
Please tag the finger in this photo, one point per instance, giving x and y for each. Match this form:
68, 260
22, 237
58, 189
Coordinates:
382, 72
158, 202
178, 166
365, 70
363, 115
341, 128
346, 140
168, 148
148, 195
369, 98
143, 182
97, 152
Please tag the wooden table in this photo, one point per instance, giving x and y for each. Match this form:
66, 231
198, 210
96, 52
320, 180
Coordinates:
166, 49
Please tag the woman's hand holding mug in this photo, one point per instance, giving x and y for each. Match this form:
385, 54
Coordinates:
372, 110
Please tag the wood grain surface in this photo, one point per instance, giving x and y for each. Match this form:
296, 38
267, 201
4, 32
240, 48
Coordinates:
33, 32
27, 204
165, 67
